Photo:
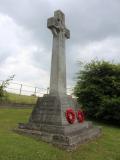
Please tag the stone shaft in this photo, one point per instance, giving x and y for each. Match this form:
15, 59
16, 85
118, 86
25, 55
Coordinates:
58, 65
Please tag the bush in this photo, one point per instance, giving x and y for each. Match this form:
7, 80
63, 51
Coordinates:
3, 86
98, 90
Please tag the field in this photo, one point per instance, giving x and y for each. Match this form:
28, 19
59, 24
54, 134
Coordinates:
19, 147
22, 99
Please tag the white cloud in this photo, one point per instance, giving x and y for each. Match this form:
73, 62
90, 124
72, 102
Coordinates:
16, 53
107, 49
26, 43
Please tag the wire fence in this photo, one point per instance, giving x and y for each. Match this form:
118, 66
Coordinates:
25, 89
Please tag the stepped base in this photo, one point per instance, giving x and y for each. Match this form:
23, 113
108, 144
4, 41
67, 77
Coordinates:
48, 122
72, 136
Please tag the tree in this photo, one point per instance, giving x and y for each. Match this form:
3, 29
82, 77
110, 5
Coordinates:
98, 90
3, 87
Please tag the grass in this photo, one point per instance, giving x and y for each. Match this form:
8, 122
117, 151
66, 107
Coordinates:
19, 147
22, 99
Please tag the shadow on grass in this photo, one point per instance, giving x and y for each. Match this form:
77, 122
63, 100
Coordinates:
111, 123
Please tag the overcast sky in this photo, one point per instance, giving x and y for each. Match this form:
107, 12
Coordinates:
26, 43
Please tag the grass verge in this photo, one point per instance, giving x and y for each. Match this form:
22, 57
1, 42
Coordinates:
19, 147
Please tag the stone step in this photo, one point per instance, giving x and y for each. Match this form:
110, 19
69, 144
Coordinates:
86, 135
77, 128
79, 138
64, 141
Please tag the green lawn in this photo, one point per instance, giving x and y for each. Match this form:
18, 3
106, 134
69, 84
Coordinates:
19, 147
22, 99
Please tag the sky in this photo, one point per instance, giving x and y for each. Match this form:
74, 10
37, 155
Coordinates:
26, 42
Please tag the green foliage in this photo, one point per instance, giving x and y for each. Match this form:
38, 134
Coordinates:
98, 90
3, 87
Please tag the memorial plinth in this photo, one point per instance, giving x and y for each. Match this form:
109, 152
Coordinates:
48, 120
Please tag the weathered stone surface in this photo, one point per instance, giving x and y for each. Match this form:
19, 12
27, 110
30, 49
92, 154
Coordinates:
67, 141
51, 110
58, 65
48, 120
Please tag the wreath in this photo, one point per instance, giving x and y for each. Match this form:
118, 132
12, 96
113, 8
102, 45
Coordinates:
70, 115
80, 116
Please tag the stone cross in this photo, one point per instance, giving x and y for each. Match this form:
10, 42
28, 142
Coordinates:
48, 120
58, 65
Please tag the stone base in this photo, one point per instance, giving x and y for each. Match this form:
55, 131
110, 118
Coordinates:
74, 135
48, 122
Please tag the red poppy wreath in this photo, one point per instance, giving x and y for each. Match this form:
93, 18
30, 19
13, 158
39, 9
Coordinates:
80, 116
70, 115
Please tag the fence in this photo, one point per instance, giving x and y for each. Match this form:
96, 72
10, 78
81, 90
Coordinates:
24, 89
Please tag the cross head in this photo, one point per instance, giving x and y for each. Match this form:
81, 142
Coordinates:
57, 24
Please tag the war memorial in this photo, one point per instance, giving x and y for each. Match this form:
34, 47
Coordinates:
57, 118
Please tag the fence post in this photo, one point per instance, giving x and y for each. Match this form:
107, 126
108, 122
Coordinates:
35, 91
48, 90
20, 89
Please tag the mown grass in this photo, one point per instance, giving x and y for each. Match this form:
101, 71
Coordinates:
22, 99
19, 147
